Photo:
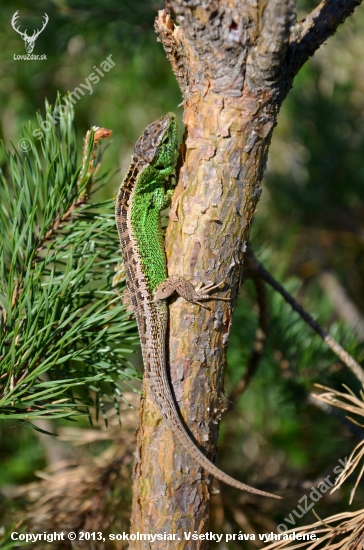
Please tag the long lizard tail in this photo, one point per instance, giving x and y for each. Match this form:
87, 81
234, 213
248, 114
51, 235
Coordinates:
160, 386
174, 422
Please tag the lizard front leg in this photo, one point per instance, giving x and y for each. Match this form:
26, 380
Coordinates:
186, 290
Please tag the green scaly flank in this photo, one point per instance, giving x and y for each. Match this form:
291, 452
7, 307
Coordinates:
152, 194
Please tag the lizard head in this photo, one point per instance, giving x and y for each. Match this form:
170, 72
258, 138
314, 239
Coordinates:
158, 144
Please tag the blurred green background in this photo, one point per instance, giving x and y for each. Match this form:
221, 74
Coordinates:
308, 231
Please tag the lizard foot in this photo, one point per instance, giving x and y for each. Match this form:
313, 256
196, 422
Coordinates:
186, 290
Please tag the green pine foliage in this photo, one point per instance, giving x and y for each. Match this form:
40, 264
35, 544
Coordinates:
64, 333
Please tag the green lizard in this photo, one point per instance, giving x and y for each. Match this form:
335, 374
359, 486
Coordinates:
143, 193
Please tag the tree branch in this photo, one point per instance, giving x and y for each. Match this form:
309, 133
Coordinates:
347, 359
308, 34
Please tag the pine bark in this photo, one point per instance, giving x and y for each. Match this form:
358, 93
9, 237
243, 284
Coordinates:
235, 62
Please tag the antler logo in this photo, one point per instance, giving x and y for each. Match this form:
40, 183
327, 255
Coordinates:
29, 40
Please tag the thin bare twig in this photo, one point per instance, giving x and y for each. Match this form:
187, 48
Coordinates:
343, 355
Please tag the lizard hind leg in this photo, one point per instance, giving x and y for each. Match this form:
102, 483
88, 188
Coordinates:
186, 290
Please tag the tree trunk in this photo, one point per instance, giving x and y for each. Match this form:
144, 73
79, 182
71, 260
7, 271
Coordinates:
235, 62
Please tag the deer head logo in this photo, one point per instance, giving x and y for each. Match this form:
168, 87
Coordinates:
29, 40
